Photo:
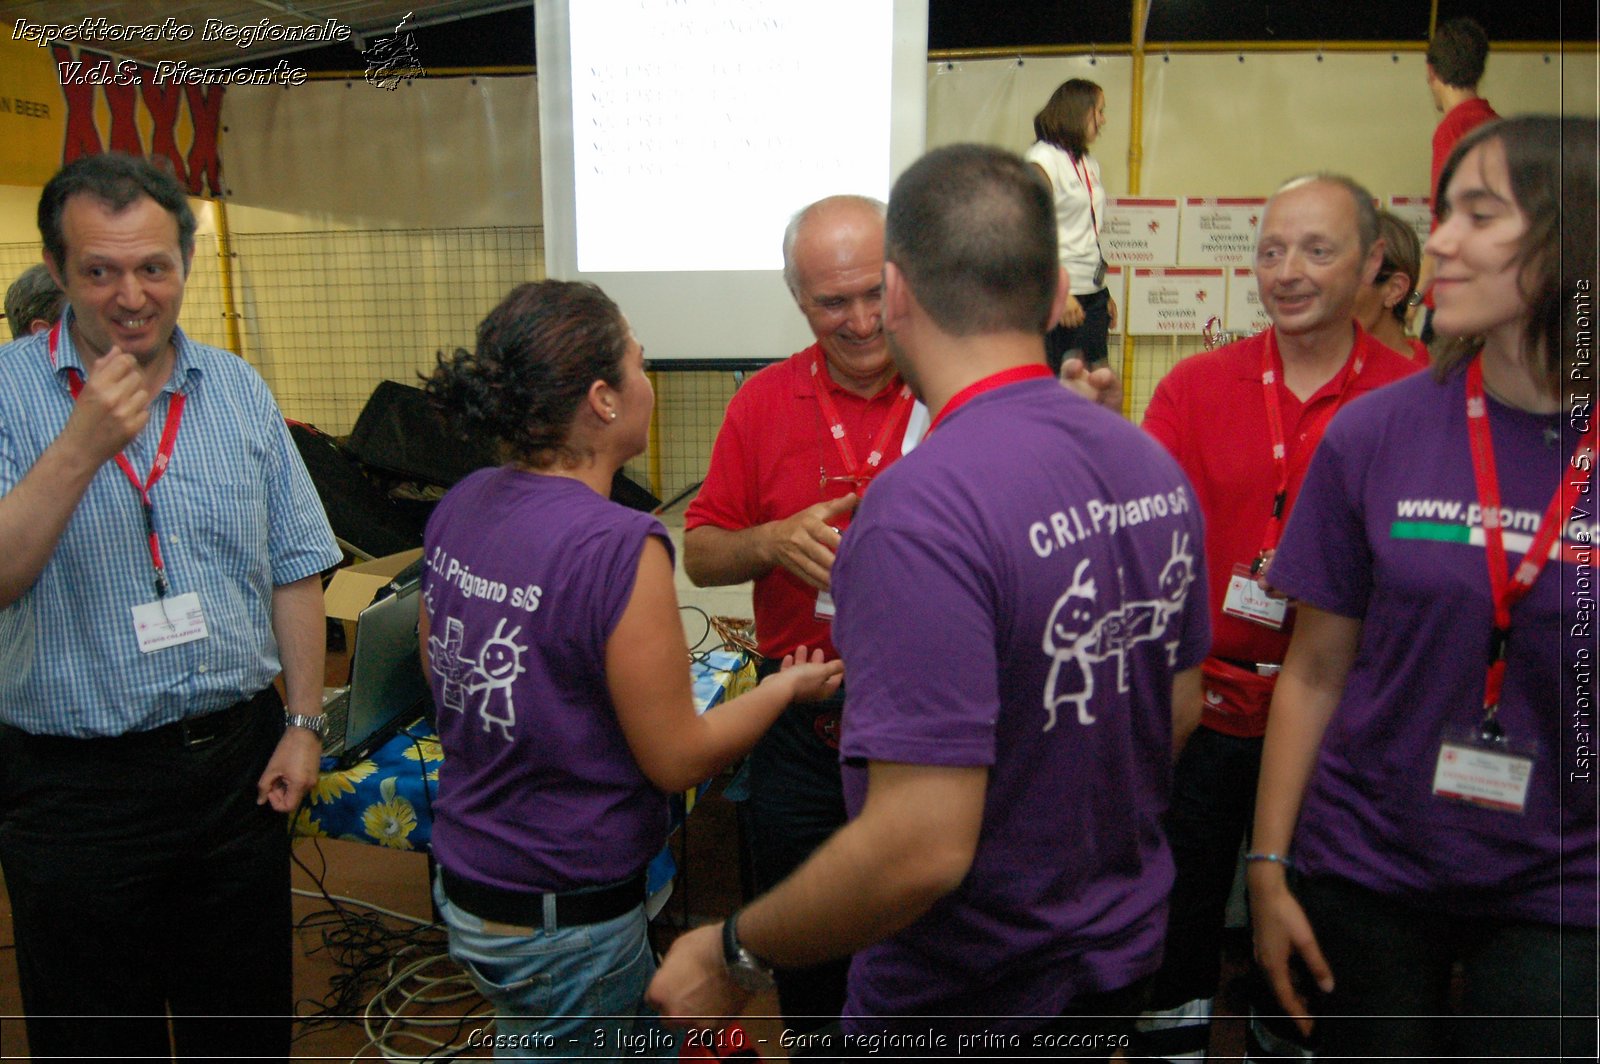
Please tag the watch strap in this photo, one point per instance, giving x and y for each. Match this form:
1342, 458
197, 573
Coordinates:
317, 723
744, 967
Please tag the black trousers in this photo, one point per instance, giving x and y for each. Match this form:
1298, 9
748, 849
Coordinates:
1087, 338
1528, 990
796, 801
145, 880
1091, 1027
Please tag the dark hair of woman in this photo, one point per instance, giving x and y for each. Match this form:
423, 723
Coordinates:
1402, 253
537, 355
1064, 121
1551, 162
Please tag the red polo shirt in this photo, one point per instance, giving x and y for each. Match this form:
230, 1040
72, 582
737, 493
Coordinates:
1210, 412
768, 463
1461, 119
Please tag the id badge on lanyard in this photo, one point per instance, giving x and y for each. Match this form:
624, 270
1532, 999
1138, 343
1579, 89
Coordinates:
164, 622
1483, 766
1246, 598
1249, 601
1094, 220
1483, 769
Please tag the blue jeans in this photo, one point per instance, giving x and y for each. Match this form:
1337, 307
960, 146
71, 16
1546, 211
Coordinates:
576, 992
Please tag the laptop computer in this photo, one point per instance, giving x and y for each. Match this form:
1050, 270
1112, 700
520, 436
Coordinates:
387, 687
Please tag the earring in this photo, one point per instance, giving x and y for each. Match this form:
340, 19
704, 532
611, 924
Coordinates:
613, 415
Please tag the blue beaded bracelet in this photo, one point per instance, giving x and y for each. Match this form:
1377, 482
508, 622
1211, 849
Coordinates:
1274, 858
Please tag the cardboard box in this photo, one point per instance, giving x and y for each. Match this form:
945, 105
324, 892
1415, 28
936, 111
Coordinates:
353, 588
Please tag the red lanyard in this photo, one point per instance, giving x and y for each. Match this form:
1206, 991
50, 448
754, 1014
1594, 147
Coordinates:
169, 438
1027, 372
1083, 175
1507, 590
1280, 449
895, 421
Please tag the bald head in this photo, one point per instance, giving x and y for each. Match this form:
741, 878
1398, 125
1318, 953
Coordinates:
1366, 211
829, 220
1318, 246
833, 263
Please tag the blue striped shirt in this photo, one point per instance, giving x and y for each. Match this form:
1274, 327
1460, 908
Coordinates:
236, 514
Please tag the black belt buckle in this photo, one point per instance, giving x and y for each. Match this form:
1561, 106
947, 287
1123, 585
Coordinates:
197, 731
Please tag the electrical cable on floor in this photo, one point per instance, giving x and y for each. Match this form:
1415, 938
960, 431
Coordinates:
386, 977
390, 1018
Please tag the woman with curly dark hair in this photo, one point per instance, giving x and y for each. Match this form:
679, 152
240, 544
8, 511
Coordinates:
559, 673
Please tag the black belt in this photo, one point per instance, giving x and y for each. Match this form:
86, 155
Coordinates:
527, 910
1260, 668
189, 732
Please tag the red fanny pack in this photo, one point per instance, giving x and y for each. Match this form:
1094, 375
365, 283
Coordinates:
1234, 699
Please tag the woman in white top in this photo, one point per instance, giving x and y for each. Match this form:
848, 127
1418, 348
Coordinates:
1069, 123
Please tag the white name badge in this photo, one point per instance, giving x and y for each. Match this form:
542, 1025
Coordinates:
1247, 600
824, 605
1491, 778
169, 622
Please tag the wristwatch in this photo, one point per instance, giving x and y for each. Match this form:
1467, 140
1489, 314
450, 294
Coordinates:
1414, 299
744, 967
318, 723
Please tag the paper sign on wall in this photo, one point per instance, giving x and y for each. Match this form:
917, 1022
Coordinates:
1140, 232
1219, 232
1415, 212
1245, 316
1117, 285
1175, 301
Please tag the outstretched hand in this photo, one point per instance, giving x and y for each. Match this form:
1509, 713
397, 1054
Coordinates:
805, 543
1100, 385
813, 678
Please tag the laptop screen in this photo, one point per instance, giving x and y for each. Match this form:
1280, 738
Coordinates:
387, 686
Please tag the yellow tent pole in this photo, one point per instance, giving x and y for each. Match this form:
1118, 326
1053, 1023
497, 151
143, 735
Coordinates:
1135, 166
655, 437
225, 268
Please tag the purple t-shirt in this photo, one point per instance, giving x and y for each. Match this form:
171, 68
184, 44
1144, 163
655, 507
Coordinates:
1009, 596
1387, 531
526, 578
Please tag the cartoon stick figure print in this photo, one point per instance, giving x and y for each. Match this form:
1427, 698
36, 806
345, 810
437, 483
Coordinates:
499, 663
1174, 581
444, 658
1069, 632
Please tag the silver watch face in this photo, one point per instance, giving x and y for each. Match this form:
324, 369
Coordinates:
749, 974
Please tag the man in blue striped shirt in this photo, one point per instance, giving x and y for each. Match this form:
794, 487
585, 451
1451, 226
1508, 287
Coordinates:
162, 551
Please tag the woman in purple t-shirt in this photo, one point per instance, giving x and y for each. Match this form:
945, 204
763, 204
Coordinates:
560, 676
1429, 750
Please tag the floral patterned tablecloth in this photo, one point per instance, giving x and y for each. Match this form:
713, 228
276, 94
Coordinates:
386, 800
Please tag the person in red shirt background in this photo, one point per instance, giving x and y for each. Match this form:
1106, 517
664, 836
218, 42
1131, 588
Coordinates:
1456, 58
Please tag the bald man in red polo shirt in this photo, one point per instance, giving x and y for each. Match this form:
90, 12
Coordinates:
802, 439
1243, 421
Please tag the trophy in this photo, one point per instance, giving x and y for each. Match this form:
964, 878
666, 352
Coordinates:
1213, 335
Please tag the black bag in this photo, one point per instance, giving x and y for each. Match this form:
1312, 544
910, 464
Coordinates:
361, 513
399, 435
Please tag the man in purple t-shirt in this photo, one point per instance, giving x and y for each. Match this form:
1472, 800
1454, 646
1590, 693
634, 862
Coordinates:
1015, 610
